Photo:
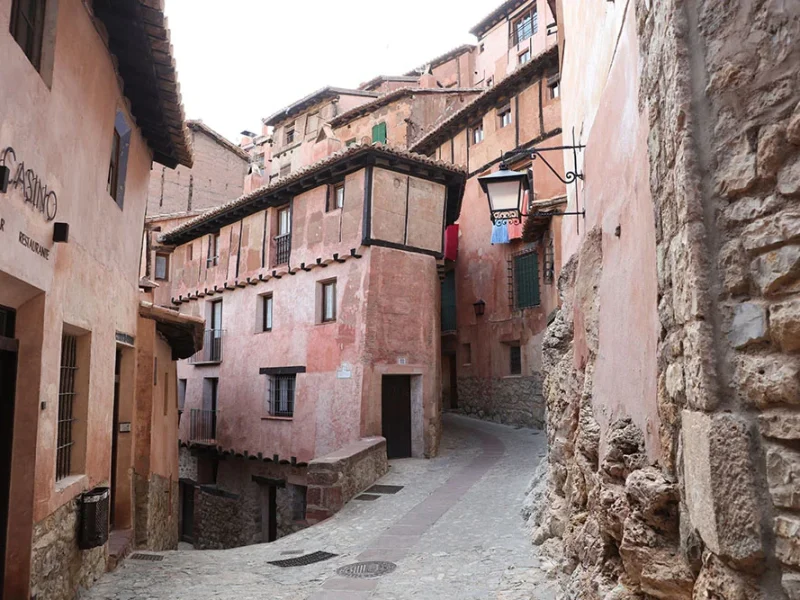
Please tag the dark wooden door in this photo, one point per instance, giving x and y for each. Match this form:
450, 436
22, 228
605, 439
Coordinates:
273, 513
8, 379
396, 415
187, 511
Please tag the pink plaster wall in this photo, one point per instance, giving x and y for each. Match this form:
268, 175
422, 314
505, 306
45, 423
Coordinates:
64, 133
617, 193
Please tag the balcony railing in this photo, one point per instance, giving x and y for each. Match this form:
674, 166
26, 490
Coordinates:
212, 348
203, 426
283, 247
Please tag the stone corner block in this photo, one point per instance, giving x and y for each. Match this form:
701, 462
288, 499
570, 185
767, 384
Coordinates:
721, 491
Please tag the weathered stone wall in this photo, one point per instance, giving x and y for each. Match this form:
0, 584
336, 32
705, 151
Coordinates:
157, 508
718, 516
334, 479
59, 568
230, 513
508, 400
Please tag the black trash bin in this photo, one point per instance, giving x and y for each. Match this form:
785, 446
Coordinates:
93, 524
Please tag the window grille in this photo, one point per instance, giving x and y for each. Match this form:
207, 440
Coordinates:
523, 273
281, 395
66, 405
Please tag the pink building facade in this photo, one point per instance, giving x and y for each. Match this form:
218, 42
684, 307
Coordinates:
321, 298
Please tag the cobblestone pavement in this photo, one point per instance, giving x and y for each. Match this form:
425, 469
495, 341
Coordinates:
454, 531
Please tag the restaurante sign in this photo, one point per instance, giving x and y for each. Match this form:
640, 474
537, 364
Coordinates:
34, 191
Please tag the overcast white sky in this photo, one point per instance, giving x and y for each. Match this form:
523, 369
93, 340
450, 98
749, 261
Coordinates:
242, 60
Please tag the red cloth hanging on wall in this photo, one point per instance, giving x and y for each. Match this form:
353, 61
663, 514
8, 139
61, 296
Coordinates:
451, 242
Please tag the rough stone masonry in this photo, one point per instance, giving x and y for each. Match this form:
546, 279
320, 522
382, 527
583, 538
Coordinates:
718, 517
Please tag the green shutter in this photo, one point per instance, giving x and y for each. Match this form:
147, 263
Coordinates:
526, 279
449, 302
379, 133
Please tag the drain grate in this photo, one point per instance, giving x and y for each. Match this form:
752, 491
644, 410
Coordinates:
385, 489
150, 557
301, 561
367, 570
367, 497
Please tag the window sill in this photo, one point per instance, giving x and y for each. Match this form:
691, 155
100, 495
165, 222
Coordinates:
206, 363
323, 323
71, 482
271, 418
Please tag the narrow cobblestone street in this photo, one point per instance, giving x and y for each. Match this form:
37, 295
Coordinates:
454, 531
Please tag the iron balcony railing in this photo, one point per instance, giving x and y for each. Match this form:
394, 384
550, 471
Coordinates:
212, 348
203, 426
283, 247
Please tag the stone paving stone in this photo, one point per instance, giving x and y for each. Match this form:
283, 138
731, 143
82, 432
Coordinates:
470, 539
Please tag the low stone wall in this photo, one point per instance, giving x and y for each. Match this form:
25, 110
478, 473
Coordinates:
218, 520
59, 568
333, 480
507, 400
156, 513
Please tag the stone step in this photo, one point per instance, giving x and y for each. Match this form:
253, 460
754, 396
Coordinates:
120, 544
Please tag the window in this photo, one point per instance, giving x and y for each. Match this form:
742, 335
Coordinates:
482, 48
27, 27
555, 91
515, 360
281, 395
476, 133
336, 196
285, 170
162, 267
504, 115
350, 142
524, 27
190, 251
525, 57
66, 405
289, 134
118, 163
467, 353
181, 394
328, 312
379, 133
266, 312
213, 250
525, 284
312, 123
490, 82
283, 241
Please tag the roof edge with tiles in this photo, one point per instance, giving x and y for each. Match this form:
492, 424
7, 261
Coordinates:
494, 17
442, 58
302, 180
220, 139
311, 99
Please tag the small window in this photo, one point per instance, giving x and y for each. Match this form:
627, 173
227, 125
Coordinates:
162, 267
289, 135
284, 221
285, 170
27, 28
190, 251
66, 406
504, 115
476, 133
525, 57
213, 250
515, 360
181, 394
350, 142
467, 353
555, 91
336, 197
328, 311
281, 395
379, 133
118, 163
312, 123
482, 48
489, 82
266, 312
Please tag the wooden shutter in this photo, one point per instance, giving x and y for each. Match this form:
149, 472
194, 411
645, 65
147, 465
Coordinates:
526, 279
379, 133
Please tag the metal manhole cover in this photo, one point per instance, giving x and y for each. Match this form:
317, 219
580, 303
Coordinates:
367, 570
150, 557
384, 489
367, 497
302, 561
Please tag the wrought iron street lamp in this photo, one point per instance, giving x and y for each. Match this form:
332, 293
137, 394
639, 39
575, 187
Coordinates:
506, 189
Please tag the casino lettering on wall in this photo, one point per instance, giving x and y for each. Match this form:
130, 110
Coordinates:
34, 190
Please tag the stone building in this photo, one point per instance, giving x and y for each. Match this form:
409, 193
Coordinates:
672, 385
321, 298
89, 99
